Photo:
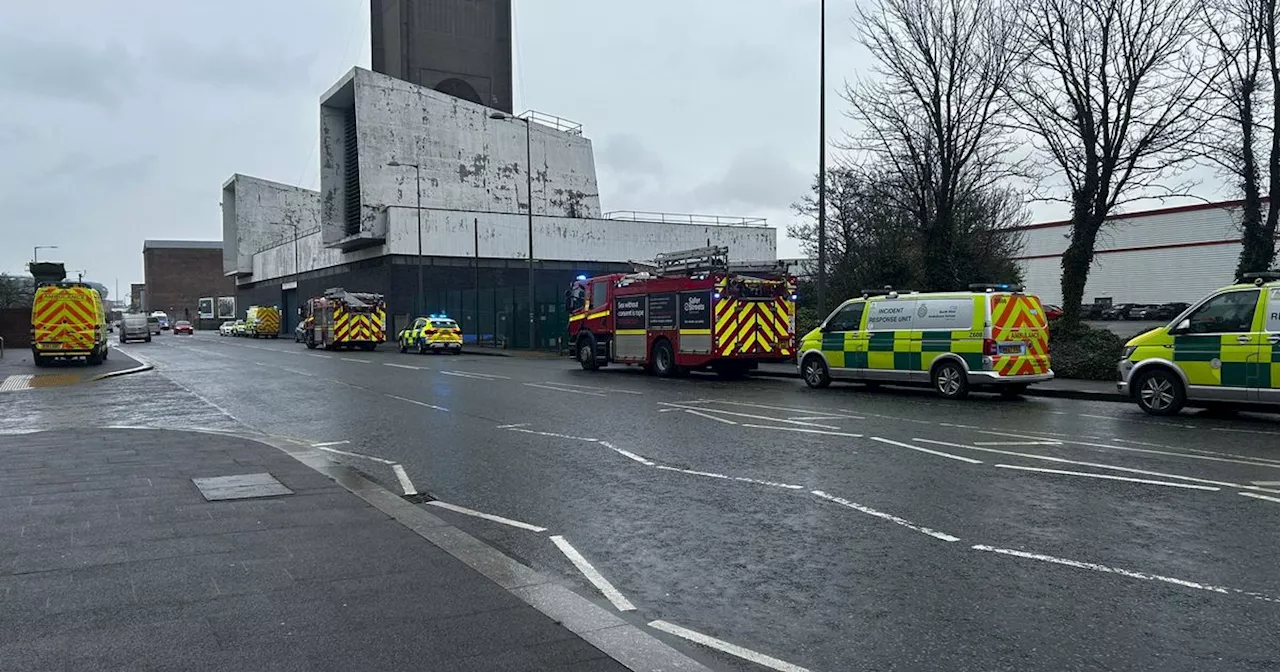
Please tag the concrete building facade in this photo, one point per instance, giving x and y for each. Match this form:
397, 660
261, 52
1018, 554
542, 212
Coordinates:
178, 273
1150, 257
458, 47
387, 145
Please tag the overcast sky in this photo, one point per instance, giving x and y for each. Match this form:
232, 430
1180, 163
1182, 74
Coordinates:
121, 120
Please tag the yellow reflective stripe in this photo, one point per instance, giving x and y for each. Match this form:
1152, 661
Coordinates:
692, 332
630, 332
603, 313
575, 318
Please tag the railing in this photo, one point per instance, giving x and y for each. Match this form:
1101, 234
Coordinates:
552, 121
679, 218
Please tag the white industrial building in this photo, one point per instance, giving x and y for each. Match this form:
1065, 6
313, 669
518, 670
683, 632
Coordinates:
387, 146
1154, 256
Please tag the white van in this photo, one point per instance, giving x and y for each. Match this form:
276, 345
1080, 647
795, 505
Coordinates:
135, 327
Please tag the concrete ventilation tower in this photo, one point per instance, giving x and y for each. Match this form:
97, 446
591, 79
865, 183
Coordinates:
458, 47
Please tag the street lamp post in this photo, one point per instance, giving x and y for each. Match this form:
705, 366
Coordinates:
528, 173
417, 172
822, 160
35, 254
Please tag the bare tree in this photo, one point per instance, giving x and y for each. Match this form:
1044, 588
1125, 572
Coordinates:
1239, 35
934, 115
1104, 90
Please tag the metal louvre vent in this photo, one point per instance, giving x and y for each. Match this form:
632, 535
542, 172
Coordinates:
351, 177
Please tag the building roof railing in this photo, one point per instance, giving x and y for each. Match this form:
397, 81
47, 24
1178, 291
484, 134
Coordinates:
552, 121
683, 218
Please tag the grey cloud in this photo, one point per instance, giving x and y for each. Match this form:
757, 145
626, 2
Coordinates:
67, 71
756, 178
231, 66
627, 154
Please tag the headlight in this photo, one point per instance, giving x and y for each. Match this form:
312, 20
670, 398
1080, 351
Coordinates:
1128, 351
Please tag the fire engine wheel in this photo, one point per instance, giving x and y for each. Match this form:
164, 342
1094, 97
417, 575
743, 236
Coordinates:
664, 359
815, 372
587, 352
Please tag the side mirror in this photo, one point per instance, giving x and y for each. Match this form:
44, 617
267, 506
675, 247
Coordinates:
1183, 327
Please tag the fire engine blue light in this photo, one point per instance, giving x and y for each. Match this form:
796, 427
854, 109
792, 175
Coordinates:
582, 277
794, 297
716, 295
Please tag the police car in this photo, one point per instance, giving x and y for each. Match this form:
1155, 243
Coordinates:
992, 336
1225, 348
434, 333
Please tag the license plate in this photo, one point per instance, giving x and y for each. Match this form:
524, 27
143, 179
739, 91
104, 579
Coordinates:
51, 346
1011, 349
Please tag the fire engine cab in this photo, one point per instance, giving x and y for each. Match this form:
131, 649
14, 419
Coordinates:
688, 310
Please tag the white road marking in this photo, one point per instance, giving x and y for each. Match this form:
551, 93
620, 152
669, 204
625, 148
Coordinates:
1096, 465
725, 647
1266, 484
329, 443
343, 452
552, 434
1017, 443
1100, 417
627, 454
889, 517
746, 415
602, 584
1245, 431
352, 359
316, 354
15, 383
300, 373
708, 416
970, 460
1109, 477
589, 387
477, 376
805, 431
566, 391
1121, 572
819, 417
726, 477
402, 366
1136, 450
810, 411
518, 424
420, 403
669, 410
1257, 496
405, 483
487, 516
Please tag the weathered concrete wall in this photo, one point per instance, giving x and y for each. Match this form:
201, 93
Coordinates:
312, 254
468, 161
257, 214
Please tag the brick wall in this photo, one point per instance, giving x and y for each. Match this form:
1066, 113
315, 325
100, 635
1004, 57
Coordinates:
15, 327
176, 279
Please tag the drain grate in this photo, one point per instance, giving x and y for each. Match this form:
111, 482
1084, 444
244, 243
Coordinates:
243, 486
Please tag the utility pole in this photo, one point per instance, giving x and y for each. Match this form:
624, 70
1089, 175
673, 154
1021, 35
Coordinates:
822, 160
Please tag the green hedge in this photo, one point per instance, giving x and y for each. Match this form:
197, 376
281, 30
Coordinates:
1082, 352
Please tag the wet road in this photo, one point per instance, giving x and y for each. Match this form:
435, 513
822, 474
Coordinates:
831, 529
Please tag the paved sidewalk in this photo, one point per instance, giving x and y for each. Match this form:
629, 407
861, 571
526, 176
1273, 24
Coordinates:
110, 558
1091, 390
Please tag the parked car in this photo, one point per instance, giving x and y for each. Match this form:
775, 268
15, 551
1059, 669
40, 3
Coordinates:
135, 327
224, 329
1142, 312
153, 324
183, 327
1118, 311
239, 328
1168, 311
1092, 311
1053, 312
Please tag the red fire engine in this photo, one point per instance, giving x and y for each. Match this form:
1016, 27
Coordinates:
689, 310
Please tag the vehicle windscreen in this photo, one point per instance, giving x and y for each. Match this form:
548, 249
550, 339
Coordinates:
444, 324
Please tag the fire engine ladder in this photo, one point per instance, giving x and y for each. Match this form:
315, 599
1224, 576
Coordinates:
698, 260
760, 268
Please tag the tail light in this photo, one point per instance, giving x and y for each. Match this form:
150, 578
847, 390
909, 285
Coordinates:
429, 332
989, 347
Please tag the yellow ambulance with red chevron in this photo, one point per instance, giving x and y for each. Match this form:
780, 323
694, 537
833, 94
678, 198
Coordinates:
992, 336
68, 321
1223, 350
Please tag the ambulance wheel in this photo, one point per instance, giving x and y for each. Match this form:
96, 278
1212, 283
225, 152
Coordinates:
950, 381
39, 361
586, 352
1159, 392
815, 372
95, 358
664, 359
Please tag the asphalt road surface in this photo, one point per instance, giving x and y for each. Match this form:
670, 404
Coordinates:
838, 529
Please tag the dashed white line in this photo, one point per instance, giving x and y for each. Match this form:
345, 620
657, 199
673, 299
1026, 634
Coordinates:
886, 516
316, 354
300, 373
627, 454
723, 646
602, 584
708, 416
745, 415
939, 453
1017, 443
343, 452
1109, 477
487, 516
402, 366
551, 434
590, 387
353, 359
1121, 572
405, 483
1136, 450
566, 391
1266, 484
805, 431
477, 376
329, 443
415, 401
1257, 496
518, 424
